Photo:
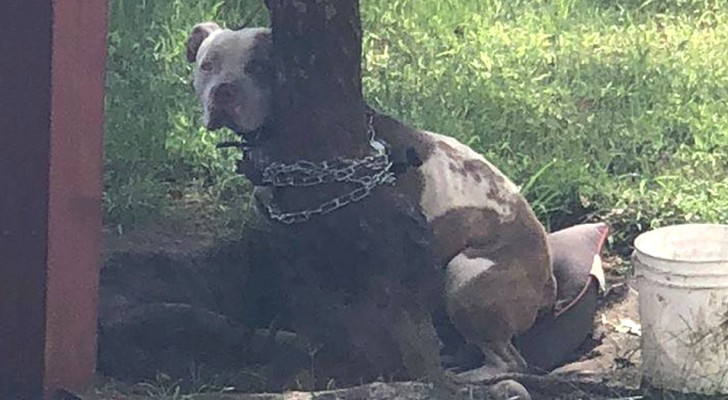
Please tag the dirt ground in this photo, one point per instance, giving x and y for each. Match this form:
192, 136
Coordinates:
607, 369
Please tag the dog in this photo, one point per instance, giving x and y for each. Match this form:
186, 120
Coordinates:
481, 233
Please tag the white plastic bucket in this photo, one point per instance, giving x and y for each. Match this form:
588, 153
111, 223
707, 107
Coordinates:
682, 281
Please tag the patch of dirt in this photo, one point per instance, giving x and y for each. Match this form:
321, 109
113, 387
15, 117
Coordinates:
198, 252
193, 225
615, 357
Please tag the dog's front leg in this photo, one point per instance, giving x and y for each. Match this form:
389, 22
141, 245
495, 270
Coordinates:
414, 333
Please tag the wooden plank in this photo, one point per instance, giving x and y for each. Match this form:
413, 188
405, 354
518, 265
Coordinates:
52, 62
76, 173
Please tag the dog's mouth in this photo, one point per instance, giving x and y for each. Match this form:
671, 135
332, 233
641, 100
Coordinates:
248, 138
225, 117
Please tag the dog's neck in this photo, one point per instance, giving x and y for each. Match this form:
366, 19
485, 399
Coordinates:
271, 143
316, 138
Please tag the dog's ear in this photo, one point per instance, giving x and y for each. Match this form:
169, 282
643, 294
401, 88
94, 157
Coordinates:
198, 35
404, 158
413, 158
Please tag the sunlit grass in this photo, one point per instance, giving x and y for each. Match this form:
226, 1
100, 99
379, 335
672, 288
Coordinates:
592, 106
588, 104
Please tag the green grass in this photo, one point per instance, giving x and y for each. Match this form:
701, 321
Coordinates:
615, 109
156, 149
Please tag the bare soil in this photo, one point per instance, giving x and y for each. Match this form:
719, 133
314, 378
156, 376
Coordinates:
181, 251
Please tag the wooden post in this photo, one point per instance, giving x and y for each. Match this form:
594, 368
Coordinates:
52, 63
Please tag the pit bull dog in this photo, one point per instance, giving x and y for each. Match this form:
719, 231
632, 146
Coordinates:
498, 273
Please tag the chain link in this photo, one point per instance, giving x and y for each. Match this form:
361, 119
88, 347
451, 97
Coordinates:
367, 173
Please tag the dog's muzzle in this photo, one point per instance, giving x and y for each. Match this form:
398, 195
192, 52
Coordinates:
223, 108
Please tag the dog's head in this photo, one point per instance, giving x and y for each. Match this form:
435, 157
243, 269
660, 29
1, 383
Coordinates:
233, 75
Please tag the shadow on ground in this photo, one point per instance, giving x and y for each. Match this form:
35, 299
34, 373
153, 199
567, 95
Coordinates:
184, 308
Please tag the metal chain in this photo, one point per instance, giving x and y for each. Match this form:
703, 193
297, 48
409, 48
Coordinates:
305, 173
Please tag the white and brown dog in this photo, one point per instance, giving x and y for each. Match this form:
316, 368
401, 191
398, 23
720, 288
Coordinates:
498, 269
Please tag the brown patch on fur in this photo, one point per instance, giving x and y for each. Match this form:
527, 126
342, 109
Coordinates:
462, 228
477, 169
496, 183
451, 152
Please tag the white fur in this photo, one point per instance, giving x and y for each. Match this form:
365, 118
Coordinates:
445, 189
462, 270
229, 52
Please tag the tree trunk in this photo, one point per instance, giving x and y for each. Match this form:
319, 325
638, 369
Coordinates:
318, 109
358, 280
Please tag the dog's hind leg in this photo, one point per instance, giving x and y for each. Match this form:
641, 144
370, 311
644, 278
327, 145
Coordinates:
492, 297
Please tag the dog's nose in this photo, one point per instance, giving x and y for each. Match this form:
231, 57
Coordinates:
224, 93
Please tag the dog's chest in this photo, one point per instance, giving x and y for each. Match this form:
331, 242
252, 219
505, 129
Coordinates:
456, 177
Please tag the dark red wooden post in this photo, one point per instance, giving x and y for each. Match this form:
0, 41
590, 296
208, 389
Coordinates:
52, 63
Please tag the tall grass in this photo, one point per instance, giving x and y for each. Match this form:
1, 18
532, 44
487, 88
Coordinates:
614, 108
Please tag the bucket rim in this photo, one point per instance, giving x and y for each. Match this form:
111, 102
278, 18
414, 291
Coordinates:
646, 235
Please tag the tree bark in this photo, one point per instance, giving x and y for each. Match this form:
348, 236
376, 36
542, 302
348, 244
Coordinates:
318, 110
370, 259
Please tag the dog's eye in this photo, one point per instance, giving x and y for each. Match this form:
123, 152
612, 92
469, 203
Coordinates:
254, 67
261, 69
206, 66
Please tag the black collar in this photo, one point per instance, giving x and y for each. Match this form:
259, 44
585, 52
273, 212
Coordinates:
248, 139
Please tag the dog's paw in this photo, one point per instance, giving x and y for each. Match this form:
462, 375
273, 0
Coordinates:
509, 390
